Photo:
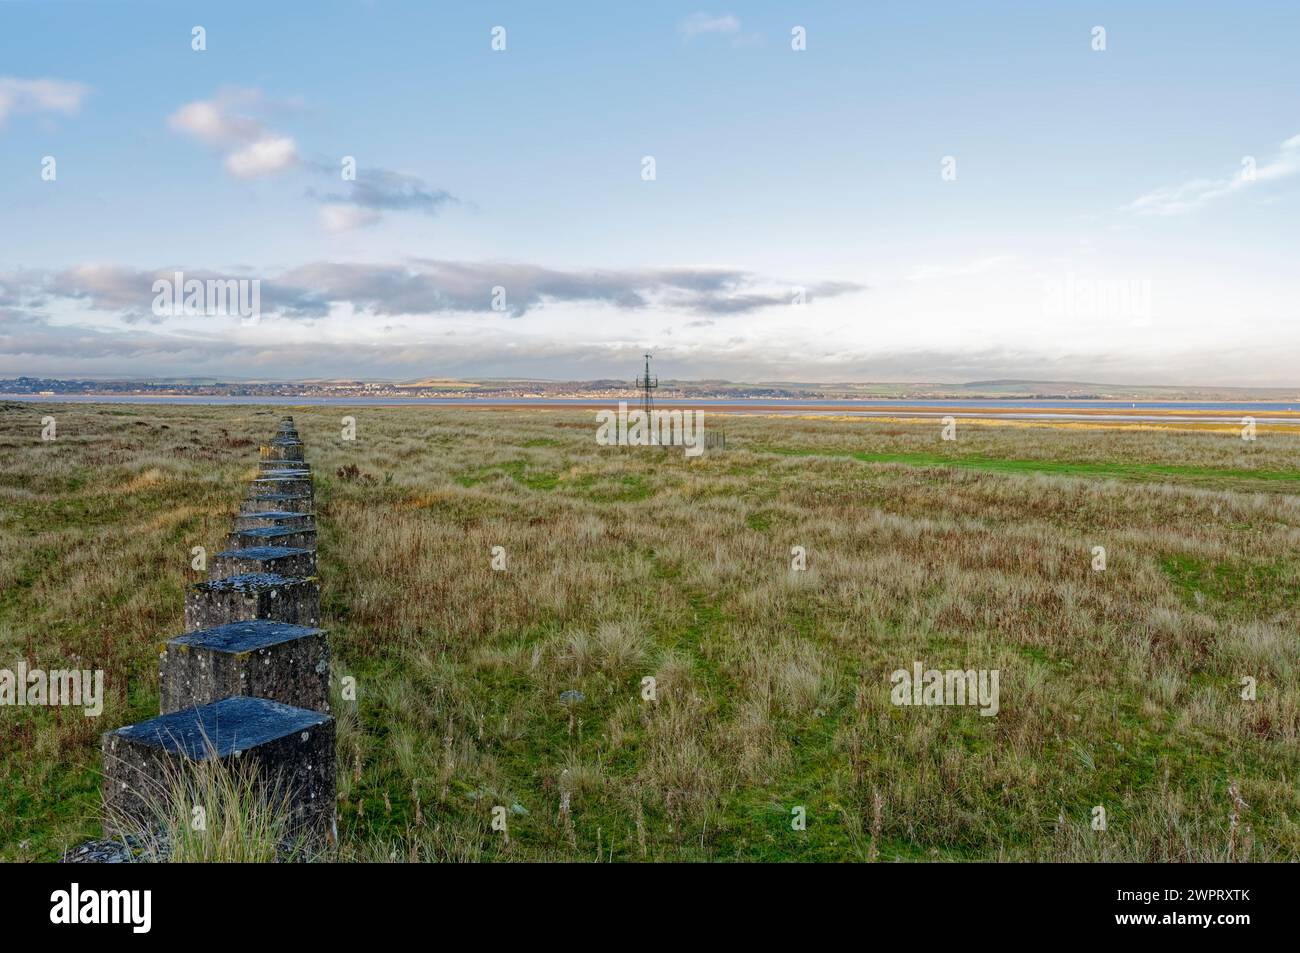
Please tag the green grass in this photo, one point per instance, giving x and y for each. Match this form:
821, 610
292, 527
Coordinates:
520, 471
1261, 587
1108, 470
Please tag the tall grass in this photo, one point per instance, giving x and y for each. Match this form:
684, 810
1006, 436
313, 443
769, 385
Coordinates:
217, 810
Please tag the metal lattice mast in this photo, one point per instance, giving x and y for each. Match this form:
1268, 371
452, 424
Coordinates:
648, 386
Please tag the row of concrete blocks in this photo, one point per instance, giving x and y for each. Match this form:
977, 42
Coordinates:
250, 677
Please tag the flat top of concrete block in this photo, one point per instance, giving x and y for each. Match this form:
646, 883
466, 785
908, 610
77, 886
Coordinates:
273, 515
279, 496
265, 552
222, 728
245, 636
273, 475
273, 532
249, 582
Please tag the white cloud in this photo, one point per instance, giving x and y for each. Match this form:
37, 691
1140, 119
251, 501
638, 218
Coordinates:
698, 24
263, 157
250, 148
39, 95
344, 218
1192, 195
209, 122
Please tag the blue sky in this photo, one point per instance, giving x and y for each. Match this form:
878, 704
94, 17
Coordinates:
1121, 215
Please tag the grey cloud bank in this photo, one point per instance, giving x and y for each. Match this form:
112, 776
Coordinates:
30, 345
427, 316
427, 287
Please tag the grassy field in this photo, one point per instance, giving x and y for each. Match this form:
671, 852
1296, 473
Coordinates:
1119, 689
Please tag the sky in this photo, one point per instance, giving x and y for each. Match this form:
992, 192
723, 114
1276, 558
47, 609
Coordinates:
912, 191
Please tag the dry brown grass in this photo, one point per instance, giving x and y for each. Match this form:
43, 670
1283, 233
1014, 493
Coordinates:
1118, 689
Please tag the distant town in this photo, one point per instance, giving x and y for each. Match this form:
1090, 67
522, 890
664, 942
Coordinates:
519, 389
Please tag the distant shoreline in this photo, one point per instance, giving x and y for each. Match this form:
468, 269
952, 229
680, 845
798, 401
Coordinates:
1062, 410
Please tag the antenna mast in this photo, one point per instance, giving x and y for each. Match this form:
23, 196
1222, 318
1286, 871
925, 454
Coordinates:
648, 386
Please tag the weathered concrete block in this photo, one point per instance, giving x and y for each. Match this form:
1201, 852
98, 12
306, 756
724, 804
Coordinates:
280, 479
284, 468
296, 537
289, 664
252, 596
292, 502
284, 449
291, 751
282, 519
281, 501
275, 483
280, 560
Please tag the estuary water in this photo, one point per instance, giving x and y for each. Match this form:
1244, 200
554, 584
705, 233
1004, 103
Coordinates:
1063, 409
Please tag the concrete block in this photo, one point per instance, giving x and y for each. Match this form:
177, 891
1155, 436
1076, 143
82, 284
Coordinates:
284, 467
280, 480
282, 519
262, 659
252, 596
290, 749
283, 449
291, 502
279, 484
297, 537
279, 560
